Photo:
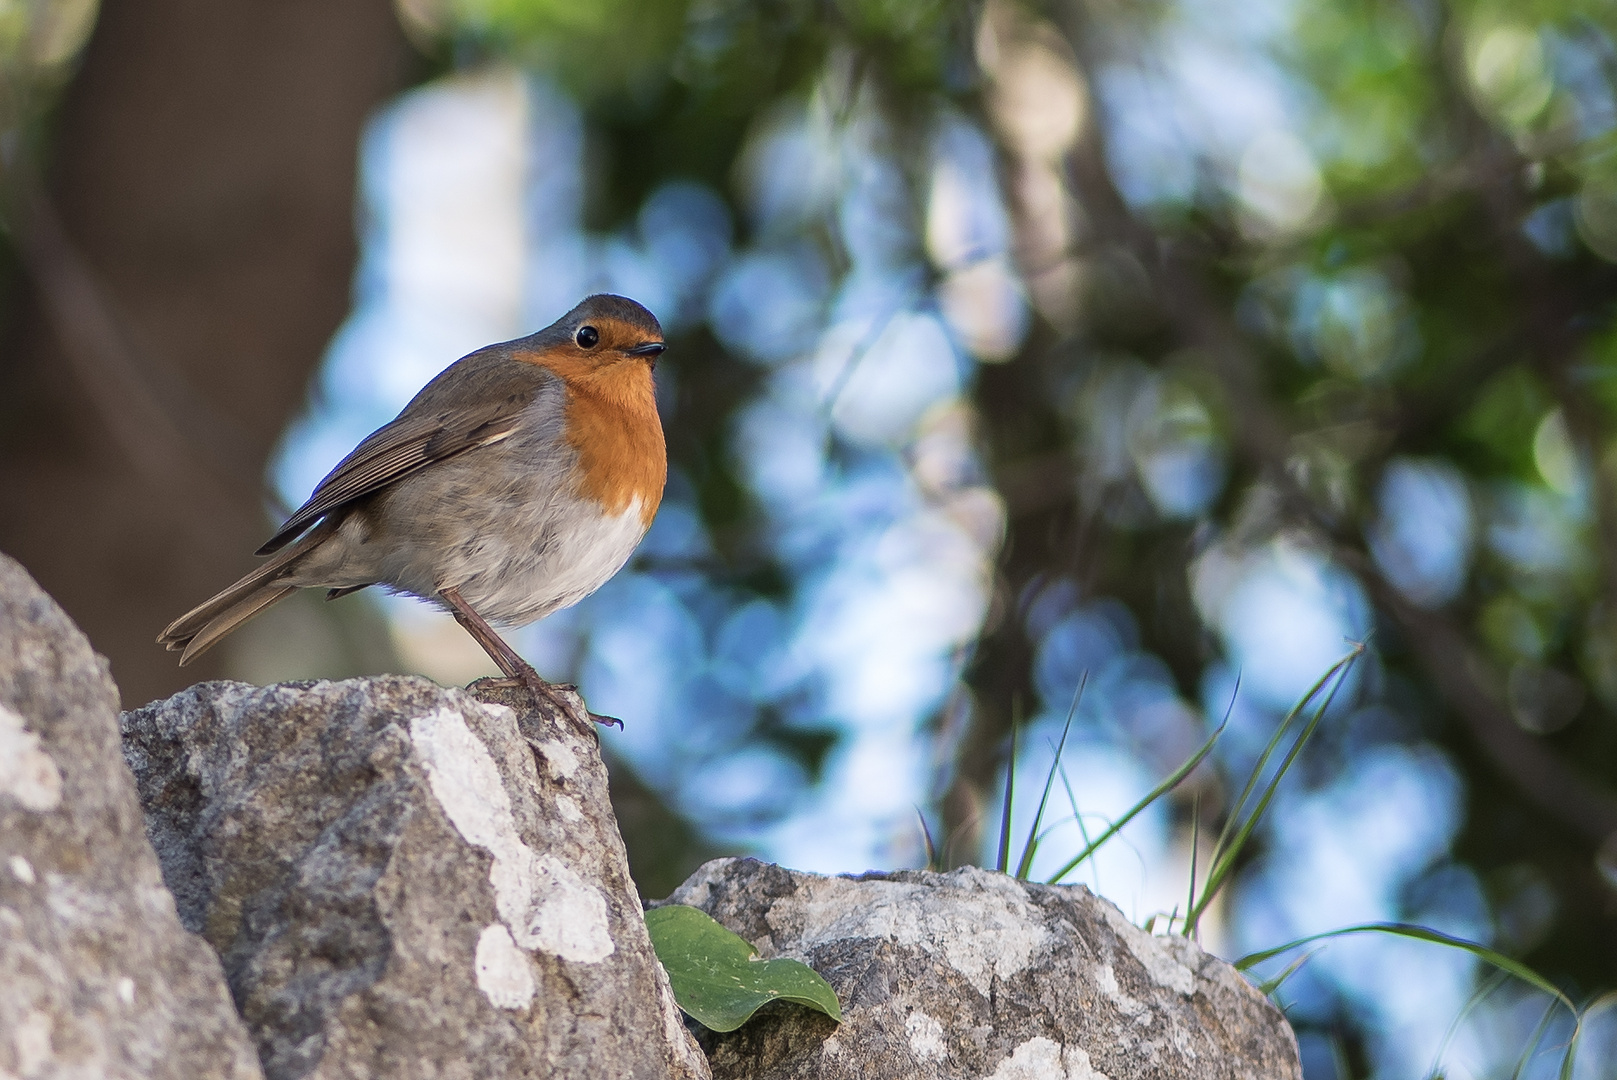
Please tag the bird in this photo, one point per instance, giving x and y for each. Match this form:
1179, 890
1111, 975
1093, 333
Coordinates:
516, 483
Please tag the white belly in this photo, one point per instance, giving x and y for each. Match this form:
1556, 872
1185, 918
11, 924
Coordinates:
512, 580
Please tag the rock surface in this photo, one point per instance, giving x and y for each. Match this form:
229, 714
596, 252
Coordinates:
97, 977
974, 974
407, 881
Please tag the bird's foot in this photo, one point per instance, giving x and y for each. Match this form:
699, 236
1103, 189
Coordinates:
530, 680
549, 691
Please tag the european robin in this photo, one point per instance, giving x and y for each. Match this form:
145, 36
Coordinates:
516, 483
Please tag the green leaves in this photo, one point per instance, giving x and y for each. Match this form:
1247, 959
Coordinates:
718, 978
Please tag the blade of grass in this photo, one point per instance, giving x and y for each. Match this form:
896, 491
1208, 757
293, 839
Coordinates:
1489, 985
1167, 785
1600, 1004
1049, 830
1031, 846
1268, 751
1077, 815
926, 838
1072, 800
1421, 933
1191, 929
1224, 858
1150, 925
1532, 1044
1195, 841
1269, 986
1004, 861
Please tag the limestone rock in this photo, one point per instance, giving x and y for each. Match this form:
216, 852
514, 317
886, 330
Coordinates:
97, 977
407, 881
974, 974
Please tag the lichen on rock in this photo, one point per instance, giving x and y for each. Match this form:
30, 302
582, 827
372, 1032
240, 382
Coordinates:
978, 976
388, 869
97, 976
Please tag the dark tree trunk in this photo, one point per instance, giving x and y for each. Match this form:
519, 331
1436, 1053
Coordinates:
186, 262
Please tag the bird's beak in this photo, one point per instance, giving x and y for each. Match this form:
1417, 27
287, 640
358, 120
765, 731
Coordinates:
646, 348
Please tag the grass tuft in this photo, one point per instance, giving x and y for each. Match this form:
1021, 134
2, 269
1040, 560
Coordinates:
1233, 838
1239, 826
1030, 847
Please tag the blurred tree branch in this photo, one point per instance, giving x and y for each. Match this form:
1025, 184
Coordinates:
1179, 267
158, 438
1466, 682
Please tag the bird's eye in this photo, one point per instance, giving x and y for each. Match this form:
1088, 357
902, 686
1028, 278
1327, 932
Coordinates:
587, 337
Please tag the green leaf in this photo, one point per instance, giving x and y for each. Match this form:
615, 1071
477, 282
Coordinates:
718, 978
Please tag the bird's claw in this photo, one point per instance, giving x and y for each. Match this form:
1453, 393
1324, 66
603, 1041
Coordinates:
541, 690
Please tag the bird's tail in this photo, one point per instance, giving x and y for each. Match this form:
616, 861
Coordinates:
201, 628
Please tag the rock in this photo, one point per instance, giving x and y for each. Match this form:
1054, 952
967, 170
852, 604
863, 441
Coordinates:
974, 974
97, 977
407, 881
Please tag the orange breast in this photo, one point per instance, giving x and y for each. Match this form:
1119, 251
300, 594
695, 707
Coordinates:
612, 422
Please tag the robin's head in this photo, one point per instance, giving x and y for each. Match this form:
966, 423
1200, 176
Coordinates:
603, 330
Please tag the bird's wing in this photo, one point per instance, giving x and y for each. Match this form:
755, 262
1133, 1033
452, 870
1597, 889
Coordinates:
476, 401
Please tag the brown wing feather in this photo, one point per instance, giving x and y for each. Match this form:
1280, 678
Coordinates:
479, 405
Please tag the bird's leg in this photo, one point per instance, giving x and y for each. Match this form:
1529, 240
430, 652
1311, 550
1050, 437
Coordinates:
505, 657
518, 670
